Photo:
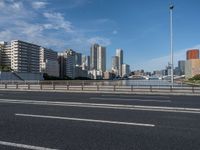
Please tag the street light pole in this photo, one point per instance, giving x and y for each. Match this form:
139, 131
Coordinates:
171, 7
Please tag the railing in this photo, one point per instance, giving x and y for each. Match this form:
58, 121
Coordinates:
98, 87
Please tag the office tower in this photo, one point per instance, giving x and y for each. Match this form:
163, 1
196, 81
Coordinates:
67, 64
93, 56
25, 57
125, 70
78, 59
193, 54
115, 64
5, 54
85, 62
119, 54
70, 63
101, 59
49, 62
181, 67
62, 65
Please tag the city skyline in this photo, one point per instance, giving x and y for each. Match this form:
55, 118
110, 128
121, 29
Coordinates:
141, 29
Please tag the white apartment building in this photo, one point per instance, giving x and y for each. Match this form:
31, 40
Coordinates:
48, 62
25, 57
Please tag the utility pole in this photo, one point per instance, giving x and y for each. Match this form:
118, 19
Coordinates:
171, 7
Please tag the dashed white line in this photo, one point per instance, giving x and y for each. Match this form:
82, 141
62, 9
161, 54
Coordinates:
87, 120
10, 144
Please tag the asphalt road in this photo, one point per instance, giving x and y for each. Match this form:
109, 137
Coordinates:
72, 121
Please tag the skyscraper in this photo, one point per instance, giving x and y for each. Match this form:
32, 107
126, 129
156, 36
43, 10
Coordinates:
125, 70
101, 59
85, 62
93, 56
115, 64
119, 54
181, 67
78, 59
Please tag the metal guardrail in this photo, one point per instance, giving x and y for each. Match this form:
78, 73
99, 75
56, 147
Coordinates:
100, 88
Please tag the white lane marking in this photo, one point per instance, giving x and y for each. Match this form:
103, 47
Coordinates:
24, 146
132, 96
133, 99
87, 120
104, 106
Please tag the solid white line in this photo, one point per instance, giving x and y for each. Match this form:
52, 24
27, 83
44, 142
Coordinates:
87, 120
133, 99
24, 146
105, 106
132, 96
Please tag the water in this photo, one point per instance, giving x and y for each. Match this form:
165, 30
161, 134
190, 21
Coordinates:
139, 83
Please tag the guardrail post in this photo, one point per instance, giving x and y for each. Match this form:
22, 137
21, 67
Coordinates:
6, 86
67, 85
54, 86
41, 86
28, 86
170, 88
131, 88
151, 88
17, 86
193, 89
97, 87
82, 86
114, 88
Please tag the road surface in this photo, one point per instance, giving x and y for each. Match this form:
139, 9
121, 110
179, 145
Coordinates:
73, 121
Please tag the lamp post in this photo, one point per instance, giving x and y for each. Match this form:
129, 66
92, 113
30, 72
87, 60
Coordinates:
171, 7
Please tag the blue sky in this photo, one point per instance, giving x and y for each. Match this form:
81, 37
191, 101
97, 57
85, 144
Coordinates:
139, 27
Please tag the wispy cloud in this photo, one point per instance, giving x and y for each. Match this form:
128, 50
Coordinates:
99, 40
115, 32
48, 28
57, 21
77, 3
39, 4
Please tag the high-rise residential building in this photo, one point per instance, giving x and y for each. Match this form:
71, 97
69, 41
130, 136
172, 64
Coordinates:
192, 68
101, 59
115, 64
181, 67
119, 54
25, 57
49, 62
85, 62
125, 70
78, 59
93, 56
5, 54
192, 54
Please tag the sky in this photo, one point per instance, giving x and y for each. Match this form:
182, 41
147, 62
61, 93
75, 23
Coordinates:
139, 27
